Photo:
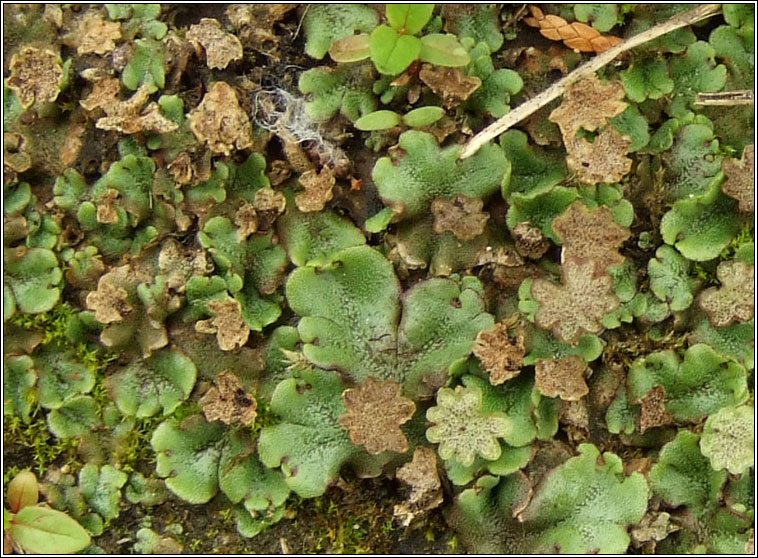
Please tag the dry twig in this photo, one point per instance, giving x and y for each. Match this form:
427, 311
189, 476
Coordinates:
556, 90
725, 98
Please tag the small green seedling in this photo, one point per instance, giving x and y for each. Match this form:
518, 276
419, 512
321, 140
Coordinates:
386, 119
33, 528
394, 47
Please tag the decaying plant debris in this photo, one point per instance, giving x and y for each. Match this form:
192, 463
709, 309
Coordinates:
369, 278
501, 352
375, 412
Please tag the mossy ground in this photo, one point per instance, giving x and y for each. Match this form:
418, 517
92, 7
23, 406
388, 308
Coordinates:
356, 519
355, 515
352, 518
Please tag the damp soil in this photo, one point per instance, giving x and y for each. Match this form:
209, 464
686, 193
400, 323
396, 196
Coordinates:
353, 518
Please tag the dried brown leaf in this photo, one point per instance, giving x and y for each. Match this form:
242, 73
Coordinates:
110, 301
296, 155
220, 47
54, 14
500, 256
374, 414
149, 120
72, 144
257, 15
129, 116
220, 121
93, 34
106, 207
588, 104
441, 129
278, 172
654, 527
575, 415
598, 44
603, 160
577, 306
562, 377
268, 199
229, 402
318, 190
246, 220
501, 353
426, 490
576, 35
530, 242
653, 411
462, 216
449, 83
734, 300
227, 323
181, 168
105, 92
591, 234
510, 278
421, 473
255, 25
269, 204
740, 179
178, 263
36, 74
131, 322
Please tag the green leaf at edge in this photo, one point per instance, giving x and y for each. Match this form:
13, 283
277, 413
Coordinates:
41, 530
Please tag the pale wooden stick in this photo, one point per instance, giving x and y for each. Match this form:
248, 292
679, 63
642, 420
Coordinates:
725, 98
588, 68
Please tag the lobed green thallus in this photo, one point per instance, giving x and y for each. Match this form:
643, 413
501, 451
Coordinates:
550, 342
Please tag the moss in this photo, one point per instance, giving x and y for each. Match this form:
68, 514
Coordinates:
744, 237
35, 446
186, 409
62, 326
135, 450
344, 522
